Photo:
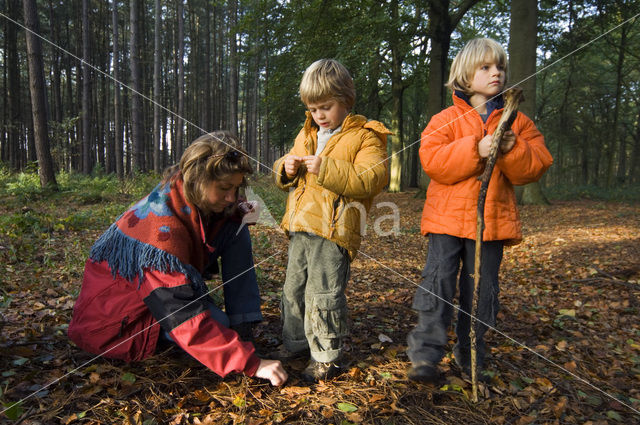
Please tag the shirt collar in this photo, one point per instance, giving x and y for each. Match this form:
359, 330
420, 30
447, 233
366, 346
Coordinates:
496, 102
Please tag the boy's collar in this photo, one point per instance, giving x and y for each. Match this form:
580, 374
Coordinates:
496, 102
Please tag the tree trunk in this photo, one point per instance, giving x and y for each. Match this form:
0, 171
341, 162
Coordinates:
634, 167
206, 122
157, 58
395, 168
522, 67
38, 96
397, 89
14, 96
441, 25
56, 91
179, 142
117, 125
86, 91
233, 68
137, 130
613, 137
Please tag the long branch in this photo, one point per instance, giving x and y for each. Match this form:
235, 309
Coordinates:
512, 98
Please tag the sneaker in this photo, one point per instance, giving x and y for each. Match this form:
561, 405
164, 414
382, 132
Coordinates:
463, 360
316, 371
424, 372
285, 355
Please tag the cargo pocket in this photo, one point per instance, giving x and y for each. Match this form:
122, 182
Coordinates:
424, 299
329, 316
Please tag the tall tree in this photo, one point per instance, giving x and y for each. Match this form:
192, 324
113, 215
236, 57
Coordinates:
617, 8
86, 90
522, 64
13, 87
179, 142
397, 89
233, 67
38, 95
157, 61
442, 23
117, 126
137, 133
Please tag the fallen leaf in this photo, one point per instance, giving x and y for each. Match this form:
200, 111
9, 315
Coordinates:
347, 407
291, 391
560, 407
383, 338
239, 401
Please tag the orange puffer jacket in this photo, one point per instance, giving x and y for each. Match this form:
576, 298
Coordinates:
449, 156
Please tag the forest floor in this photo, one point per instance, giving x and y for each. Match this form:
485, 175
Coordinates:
566, 349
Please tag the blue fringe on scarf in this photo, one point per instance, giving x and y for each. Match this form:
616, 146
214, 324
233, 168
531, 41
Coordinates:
130, 257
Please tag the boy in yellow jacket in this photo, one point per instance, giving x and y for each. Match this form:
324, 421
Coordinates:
335, 168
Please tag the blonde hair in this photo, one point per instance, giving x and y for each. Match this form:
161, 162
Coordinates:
210, 157
473, 54
327, 79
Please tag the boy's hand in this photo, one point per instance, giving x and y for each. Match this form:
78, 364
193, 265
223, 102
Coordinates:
484, 146
291, 165
273, 371
313, 163
507, 142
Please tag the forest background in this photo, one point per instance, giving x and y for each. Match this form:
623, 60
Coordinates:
204, 65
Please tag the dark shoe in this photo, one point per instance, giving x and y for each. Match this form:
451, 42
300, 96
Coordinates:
425, 372
285, 355
463, 360
316, 371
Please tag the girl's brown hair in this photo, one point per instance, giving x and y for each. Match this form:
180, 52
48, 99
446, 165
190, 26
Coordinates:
210, 157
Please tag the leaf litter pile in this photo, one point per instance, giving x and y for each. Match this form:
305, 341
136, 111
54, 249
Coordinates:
566, 349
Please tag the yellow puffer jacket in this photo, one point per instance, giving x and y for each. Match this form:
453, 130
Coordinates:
334, 204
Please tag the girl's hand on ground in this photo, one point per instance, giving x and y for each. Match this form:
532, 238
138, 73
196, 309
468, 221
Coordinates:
291, 165
273, 371
313, 163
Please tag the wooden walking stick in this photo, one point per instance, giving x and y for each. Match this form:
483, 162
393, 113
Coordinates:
512, 98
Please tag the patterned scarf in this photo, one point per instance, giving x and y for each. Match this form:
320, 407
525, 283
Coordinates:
161, 232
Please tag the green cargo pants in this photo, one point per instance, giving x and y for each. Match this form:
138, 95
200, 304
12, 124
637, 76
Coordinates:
313, 305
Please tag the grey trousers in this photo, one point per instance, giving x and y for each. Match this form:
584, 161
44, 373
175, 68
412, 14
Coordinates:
313, 305
440, 275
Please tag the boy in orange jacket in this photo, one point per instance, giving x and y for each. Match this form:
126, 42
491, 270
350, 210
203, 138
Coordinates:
335, 168
453, 152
